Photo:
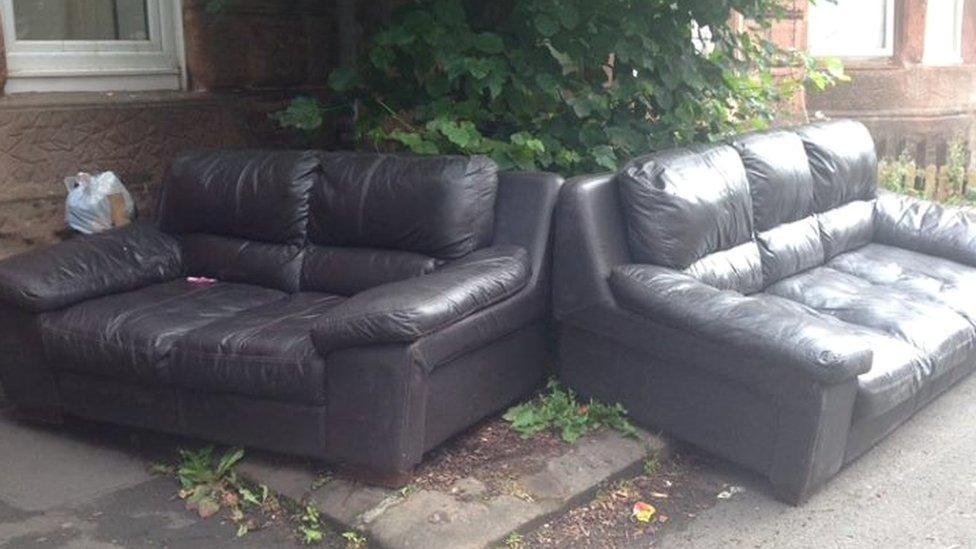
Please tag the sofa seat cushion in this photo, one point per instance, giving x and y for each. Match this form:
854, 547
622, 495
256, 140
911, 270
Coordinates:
898, 369
130, 335
944, 338
265, 352
941, 280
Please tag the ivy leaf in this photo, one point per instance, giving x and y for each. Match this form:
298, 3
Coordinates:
489, 43
546, 25
604, 156
415, 142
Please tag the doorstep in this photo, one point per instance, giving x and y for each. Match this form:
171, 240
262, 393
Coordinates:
466, 513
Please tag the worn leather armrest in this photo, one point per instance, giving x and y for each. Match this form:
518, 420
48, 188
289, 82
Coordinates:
744, 324
407, 310
90, 266
926, 227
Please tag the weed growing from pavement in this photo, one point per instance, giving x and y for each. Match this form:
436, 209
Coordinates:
354, 540
209, 484
515, 541
559, 409
651, 465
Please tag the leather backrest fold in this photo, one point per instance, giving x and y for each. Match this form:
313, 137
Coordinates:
440, 206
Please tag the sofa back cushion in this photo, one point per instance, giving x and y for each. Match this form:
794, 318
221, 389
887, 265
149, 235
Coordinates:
843, 162
442, 207
242, 215
844, 166
781, 187
690, 209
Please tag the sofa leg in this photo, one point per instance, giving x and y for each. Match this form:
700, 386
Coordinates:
375, 477
48, 415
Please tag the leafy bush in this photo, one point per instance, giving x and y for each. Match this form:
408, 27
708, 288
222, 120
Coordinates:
559, 409
568, 85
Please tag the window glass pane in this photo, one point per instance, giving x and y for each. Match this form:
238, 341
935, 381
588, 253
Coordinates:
80, 20
943, 32
850, 28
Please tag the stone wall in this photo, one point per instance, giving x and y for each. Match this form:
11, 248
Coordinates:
45, 137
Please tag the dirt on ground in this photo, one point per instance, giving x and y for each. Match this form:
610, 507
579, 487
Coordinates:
675, 487
491, 452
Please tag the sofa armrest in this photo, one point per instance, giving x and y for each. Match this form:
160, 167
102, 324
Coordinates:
406, 311
743, 324
925, 226
89, 266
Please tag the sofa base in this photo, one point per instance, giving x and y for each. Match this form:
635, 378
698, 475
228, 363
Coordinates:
458, 394
720, 415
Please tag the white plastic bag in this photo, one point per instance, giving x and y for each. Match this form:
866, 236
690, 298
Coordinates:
88, 208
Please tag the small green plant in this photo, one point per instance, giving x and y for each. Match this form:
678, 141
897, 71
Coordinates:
515, 541
310, 526
354, 540
558, 408
206, 483
651, 465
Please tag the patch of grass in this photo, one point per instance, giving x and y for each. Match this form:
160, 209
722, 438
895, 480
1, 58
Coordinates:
559, 409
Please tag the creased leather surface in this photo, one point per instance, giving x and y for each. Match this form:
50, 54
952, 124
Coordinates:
847, 227
897, 371
738, 268
942, 280
790, 248
818, 348
265, 351
408, 310
130, 335
779, 177
926, 227
842, 160
440, 206
945, 338
246, 261
683, 204
89, 266
254, 195
348, 271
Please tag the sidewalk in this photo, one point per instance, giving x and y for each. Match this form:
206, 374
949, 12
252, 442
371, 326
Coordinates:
89, 487
916, 489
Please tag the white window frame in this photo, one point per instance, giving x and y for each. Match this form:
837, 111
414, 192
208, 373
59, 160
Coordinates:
99, 65
955, 58
840, 50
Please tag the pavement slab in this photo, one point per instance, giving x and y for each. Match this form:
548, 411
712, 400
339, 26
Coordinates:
467, 514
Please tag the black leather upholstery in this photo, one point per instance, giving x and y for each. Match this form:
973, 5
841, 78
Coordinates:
684, 204
359, 301
408, 310
89, 266
265, 351
348, 271
439, 206
765, 305
131, 335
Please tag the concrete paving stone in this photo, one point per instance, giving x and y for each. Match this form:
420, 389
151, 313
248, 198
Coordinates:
462, 516
88, 468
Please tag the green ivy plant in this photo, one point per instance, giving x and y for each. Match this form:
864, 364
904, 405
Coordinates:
566, 85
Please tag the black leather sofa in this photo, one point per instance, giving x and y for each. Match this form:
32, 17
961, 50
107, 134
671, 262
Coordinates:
367, 306
763, 300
